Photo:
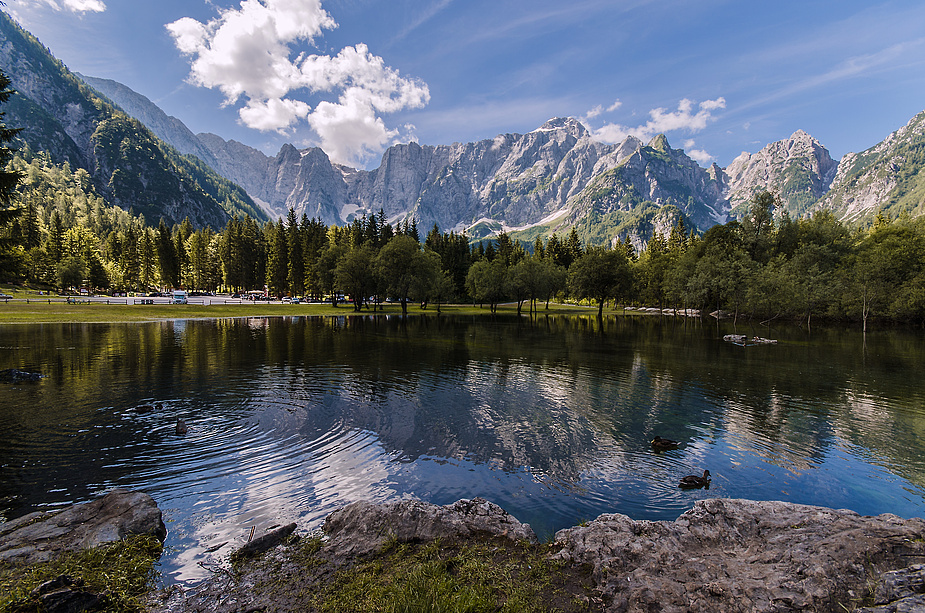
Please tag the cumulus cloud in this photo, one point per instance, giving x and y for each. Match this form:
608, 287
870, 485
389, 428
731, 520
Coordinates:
689, 117
248, 53
698, 155
600, 110
76, 6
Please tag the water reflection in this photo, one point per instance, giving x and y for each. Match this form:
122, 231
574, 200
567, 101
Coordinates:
290, 418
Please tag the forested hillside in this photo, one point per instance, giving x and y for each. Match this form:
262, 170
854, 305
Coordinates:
65, 236
127, 165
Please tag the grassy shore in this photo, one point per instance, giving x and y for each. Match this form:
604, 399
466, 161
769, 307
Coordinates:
38, 310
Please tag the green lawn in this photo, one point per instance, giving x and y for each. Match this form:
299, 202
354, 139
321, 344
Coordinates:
38, 310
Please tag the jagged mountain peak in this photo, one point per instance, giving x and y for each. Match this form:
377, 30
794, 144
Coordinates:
569, 125
886, 177
798, 169
660, 143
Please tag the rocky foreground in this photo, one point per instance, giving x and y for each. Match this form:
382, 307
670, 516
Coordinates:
722, 555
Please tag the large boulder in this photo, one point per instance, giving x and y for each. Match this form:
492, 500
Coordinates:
363, 527
742, 555
41, 536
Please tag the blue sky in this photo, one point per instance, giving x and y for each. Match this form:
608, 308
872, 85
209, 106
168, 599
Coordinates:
717, 76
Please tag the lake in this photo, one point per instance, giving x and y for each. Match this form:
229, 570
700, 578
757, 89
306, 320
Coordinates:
290, 418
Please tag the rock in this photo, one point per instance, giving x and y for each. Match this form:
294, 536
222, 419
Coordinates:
267, 541
39, 537
56, 584
69, 600
63, 595
741, 555
743, 339
12, 375
900, 591
882, 173
363, 527
798, 169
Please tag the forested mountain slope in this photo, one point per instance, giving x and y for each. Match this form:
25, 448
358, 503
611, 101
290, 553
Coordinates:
886, 178
128, 165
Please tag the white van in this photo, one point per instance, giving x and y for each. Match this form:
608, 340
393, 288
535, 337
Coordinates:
179, 296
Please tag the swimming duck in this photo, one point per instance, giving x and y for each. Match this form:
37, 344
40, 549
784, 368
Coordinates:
693, 481
181, 427
664, 444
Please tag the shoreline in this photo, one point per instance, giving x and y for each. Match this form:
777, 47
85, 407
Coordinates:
21, 313
722, 555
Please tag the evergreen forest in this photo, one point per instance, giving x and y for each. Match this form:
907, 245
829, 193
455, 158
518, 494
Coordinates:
60, 234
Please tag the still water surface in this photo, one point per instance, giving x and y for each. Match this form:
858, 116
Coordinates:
291, 418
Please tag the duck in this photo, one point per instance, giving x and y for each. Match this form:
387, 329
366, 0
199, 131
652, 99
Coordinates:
181, 427
664, 444
693, 481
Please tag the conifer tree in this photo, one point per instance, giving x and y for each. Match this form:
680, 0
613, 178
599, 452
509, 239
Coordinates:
9, 179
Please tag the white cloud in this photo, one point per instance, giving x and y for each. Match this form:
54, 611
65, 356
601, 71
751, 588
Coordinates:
698, 155
685, 118
600, 110
247, 53
594, 112
664, 121
76, 6
612, 133
273, 114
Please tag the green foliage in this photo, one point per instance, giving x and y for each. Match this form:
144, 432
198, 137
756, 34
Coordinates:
227, 194
600, 274
124, 570
128, 165
439, 577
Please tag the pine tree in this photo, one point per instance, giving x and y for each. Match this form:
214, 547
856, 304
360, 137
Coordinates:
9, 179
10, 254
296, 260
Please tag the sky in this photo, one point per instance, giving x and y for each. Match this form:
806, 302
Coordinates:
717, 77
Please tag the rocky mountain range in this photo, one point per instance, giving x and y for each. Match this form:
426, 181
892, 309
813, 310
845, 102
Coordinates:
557, 177
548, 180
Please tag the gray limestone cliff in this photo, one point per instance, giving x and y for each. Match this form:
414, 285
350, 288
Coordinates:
887, 176
798, 169
558, 177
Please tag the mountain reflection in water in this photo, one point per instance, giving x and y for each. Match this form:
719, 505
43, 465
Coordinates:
291, 418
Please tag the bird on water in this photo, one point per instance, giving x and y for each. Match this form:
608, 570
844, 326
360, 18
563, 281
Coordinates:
693, 481
664, 444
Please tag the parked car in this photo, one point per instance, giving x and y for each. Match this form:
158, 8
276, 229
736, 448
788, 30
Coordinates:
5, 297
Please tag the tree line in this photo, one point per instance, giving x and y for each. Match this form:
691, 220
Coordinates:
765, 266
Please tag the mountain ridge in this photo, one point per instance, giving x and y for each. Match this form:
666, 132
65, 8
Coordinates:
128, 166
548, 180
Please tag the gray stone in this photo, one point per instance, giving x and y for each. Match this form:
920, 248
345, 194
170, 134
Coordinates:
55, 584
12, 375
70, 601
267, 541
900, 591
800, 158
363, 527
741, 555
39, 537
